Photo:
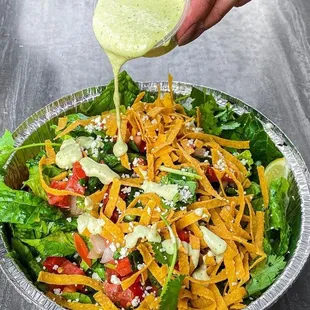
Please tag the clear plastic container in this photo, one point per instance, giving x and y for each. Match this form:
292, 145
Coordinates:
168, 43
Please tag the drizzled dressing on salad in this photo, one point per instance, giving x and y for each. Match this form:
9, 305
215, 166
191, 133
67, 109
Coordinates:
128, 29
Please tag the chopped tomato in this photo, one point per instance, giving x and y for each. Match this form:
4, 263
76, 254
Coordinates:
184, 235
115, 216
52, 261
59, 201
124, 267
139, 143
74, 181
78, 170
106, 196
71, 269
110, 272
124, 298
69, 289
213, 178
81, 248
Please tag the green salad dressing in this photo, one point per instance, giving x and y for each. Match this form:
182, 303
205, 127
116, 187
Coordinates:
128, 29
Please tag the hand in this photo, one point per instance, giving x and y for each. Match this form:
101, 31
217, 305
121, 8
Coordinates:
203, 14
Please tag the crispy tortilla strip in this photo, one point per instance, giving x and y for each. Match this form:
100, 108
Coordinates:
213, 203
237, 306
220, 303
252, 223
132, 182
60, 176
235, 296
144, 198
155, 111
241, 196
50, 152
221, 276
183, 263
62, 123
223, 142
191, 218
111, 229
147, 213
263, 185
121, 204
111, 125
229, 263
202, 291
259, 233
104, 301
258, 260
72, 305
150, 165
97, 197
63, 279
132, 279
204, 181
194, 228
149, 303
74, 125
113, 196
125, 161
50, 190
198, 117
159, 273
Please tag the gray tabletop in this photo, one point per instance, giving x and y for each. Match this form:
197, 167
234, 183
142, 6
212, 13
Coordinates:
259, 53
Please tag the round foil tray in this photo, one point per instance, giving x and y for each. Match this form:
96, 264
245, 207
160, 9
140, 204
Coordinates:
37, 128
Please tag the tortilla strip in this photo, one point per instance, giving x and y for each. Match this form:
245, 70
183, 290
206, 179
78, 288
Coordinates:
125, 162
63, 279
104, 301
74, 125
62, 123
223, 142
235, 296
60, 176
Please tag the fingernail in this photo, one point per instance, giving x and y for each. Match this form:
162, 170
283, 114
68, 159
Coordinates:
188, 35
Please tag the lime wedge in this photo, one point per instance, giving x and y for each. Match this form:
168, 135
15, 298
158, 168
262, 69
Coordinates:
276, 169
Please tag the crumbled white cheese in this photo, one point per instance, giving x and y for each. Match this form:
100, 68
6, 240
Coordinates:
136, 301
115, 280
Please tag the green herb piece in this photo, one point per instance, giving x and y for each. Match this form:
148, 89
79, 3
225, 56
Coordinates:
161, 256
128, 90
171, 285
57, 244
78, 297
135, 259
169, 299
181, 172
265, 274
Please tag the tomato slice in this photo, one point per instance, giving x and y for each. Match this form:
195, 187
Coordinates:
52, 261
78, 170
184, 235
139, 143
74, 181
124, 298
71, 269
81, 248
59, 201
124, 267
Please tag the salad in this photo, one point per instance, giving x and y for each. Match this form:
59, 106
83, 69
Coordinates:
194, 216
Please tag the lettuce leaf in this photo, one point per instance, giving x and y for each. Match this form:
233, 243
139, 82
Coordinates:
20, 207
57, 244
34, 182
261, 146
128, 90
277, 229
6, 148
265, 274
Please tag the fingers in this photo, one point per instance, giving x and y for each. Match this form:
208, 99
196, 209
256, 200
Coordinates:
204, 14
242, 2
198, 11
219, 10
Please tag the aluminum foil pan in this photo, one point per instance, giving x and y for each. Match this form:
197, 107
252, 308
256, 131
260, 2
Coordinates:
37, 128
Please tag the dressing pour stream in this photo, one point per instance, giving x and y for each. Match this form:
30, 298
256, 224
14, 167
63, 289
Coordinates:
128, 29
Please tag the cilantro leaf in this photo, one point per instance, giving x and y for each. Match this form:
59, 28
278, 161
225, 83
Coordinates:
161, 256
169, 300
265, 274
